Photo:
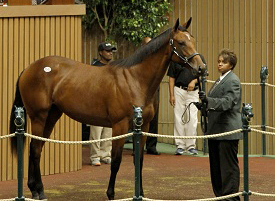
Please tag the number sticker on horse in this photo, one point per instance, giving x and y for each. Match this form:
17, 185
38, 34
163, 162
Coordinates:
47, 69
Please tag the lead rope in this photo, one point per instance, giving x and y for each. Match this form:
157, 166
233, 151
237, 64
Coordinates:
203, 111
186, 118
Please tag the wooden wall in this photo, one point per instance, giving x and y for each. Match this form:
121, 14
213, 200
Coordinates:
24, 38
245, 26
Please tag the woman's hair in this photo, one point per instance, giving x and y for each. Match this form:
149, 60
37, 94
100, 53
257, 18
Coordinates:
229, 56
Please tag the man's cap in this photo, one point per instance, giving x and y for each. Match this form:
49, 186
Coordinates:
106, 46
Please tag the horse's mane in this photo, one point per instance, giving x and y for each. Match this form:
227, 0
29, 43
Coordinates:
144, 51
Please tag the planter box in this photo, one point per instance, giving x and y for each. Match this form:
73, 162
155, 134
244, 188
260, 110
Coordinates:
29, 2
19, 2
59, 2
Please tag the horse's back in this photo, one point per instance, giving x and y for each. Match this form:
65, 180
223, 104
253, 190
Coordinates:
81, 91
38, 81
88, 94
46, 67
43, 72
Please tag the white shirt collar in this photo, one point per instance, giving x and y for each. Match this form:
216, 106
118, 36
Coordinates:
222, 76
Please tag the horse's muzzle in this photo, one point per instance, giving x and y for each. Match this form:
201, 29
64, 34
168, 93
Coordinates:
200, 71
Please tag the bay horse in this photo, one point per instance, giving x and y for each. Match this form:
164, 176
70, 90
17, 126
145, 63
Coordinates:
101, 96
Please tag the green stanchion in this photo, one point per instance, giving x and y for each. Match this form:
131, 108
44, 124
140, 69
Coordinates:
263, 75
19, 133
246, 116
137, 135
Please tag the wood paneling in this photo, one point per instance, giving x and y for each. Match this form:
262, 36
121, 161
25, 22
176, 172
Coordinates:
22, 41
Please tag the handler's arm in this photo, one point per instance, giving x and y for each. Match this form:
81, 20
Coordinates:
171, 90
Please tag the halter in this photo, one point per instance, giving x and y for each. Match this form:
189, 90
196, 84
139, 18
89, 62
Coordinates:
185, 59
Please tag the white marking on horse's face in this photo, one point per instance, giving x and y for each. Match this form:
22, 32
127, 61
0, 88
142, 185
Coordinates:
47, 69
188, 36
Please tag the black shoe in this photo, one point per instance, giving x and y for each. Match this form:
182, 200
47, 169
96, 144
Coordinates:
152, 152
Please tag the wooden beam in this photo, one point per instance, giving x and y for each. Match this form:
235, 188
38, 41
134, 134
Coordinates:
42, 10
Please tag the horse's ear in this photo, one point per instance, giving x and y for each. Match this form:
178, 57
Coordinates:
177, 25
187, 24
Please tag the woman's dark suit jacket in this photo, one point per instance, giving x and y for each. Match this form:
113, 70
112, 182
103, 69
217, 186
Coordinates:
224, 105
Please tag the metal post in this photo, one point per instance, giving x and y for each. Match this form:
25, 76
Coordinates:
203, 85
246, 116
137, 134
263, 74
19, 133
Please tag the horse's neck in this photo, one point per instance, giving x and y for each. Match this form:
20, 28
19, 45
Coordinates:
153, 69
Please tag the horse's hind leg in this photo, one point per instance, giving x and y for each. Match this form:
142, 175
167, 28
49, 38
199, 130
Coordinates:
34, 177
34, 158
34, 181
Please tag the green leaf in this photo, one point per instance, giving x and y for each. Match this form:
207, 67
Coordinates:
133, 20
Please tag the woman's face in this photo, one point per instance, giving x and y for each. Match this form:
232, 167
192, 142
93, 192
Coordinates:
223, 67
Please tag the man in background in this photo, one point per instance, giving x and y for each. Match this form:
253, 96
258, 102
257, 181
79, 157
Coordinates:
101, 151
184, 90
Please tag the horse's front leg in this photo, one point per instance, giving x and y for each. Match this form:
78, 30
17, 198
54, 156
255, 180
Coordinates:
145, 127
143, 141
142, 144
117, 148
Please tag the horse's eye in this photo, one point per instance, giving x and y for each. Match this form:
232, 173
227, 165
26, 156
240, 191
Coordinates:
182, 43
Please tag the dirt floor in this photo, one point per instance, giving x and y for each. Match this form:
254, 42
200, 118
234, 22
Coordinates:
165, 177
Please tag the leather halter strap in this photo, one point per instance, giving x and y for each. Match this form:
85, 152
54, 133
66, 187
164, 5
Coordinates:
185, 59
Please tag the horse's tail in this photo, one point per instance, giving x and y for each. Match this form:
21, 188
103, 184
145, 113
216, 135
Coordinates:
18, 103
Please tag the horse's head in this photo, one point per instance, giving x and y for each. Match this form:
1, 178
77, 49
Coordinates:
183, 49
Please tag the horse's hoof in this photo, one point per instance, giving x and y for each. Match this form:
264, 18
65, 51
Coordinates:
111, 198
35, 198
43, 197
142, 194
35, 195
